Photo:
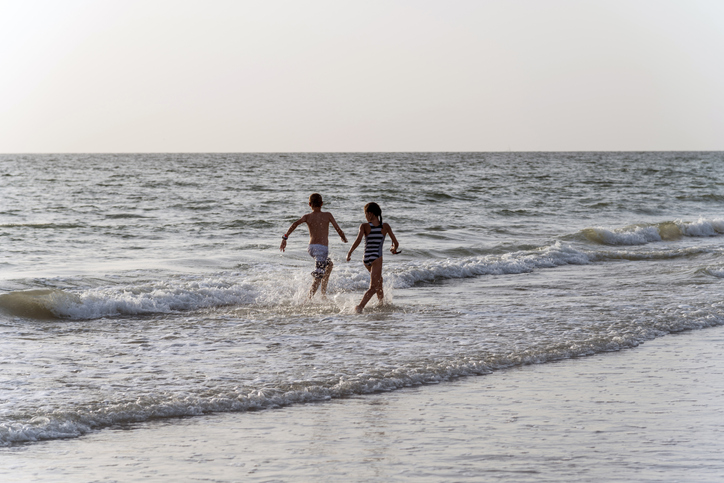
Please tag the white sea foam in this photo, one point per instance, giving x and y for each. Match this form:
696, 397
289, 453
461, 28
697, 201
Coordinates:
636, 236
556, 255
157, 297
702, 227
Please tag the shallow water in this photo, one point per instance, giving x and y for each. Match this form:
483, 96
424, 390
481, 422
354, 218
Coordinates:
138, 287
652, 414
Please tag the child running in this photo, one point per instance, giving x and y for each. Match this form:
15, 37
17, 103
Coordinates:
318, 223
374, 232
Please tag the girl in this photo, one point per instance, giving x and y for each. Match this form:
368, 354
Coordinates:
374, 232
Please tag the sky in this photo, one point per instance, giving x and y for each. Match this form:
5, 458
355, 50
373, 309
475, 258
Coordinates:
360, 76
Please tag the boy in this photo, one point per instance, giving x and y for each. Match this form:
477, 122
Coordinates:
318, 223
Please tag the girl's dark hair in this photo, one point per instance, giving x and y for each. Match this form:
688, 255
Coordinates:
375, 209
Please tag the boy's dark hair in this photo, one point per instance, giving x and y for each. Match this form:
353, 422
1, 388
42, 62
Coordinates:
375, 209
315, 200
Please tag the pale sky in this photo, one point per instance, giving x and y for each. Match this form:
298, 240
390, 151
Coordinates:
372, 75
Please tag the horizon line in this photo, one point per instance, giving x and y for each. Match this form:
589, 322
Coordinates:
373, 152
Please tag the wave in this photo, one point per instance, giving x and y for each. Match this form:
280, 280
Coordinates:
276, 286
717, 272
266, 287
633, 255
80, 420
138, 299
649, 233
702, 227
42, 226
698, 198
37, 304
411, 273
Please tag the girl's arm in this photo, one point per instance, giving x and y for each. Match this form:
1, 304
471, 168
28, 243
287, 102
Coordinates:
395, 244
357, 241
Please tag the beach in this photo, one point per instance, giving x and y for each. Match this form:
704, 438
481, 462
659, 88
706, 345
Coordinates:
342, 242
654, 413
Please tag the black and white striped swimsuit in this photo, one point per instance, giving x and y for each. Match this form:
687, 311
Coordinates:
373, 244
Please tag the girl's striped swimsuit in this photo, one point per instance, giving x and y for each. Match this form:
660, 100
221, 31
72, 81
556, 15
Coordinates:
373, 244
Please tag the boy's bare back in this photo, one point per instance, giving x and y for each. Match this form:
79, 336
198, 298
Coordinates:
318, 224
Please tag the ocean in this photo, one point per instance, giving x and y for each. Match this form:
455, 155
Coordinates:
150, 288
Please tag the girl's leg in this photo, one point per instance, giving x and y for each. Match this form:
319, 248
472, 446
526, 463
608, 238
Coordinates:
375, 284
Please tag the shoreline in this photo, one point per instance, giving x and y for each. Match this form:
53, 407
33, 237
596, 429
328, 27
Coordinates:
651, 413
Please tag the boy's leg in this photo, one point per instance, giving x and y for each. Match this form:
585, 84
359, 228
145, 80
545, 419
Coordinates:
327, 273
320, 273
315, 286
320, 277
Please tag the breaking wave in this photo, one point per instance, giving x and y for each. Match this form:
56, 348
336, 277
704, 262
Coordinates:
266, 287
644, 234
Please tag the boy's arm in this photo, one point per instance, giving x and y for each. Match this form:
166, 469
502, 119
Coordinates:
356, 242
395, 244
290, 230
336, 227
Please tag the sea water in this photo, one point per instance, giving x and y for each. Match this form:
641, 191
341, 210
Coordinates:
135, 287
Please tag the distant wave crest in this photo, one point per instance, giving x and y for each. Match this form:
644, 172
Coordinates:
644, 234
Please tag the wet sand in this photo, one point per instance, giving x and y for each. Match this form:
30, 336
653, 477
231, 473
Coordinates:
653, 413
